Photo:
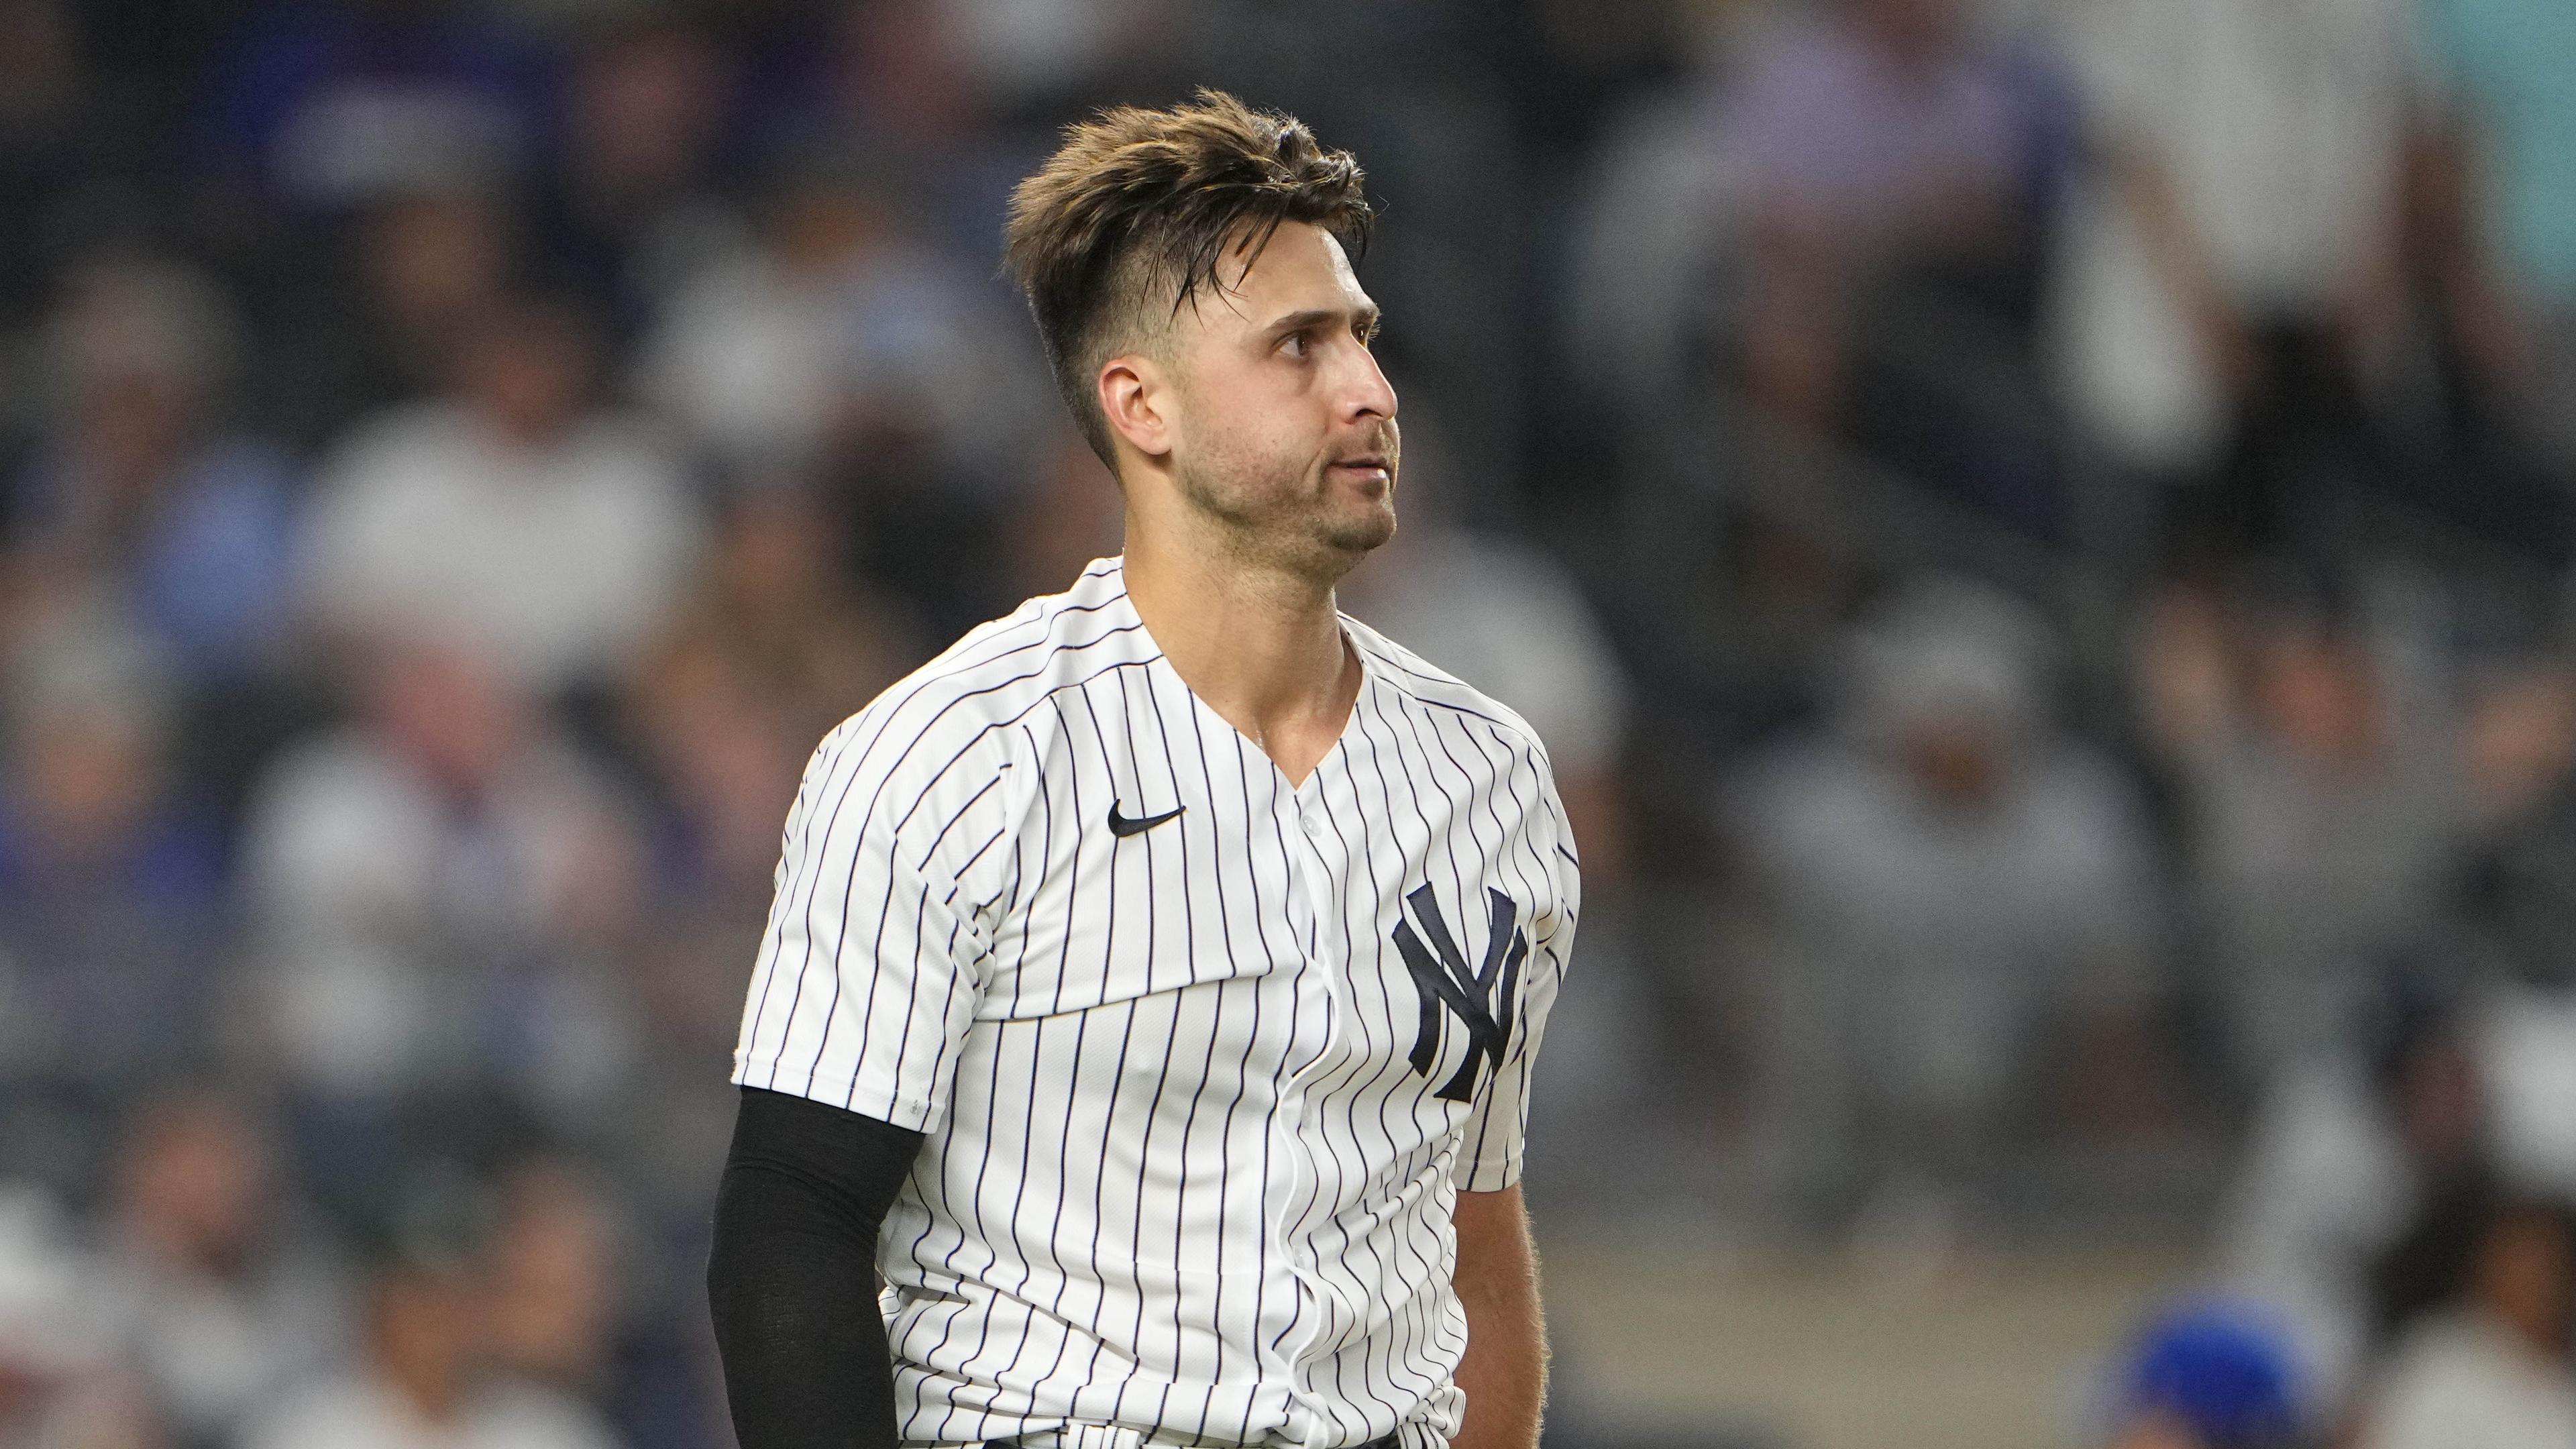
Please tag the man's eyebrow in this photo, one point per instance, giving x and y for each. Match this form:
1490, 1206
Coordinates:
1363, 319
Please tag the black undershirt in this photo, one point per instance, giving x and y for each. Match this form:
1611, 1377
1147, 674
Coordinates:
792, 1276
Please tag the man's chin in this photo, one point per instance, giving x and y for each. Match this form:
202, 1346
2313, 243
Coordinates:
1324, 544
1361, 530
1358, 539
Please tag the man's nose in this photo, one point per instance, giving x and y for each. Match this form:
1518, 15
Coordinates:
1369, 393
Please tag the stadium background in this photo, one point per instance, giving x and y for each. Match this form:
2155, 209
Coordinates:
2037, 534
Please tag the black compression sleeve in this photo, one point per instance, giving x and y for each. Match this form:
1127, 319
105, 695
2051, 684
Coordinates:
792, 1276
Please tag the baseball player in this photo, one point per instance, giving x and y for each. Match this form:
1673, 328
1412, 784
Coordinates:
1154, 978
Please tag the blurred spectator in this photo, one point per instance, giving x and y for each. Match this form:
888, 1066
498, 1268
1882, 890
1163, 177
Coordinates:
839, 325
110, 899
723, 743
841, 336
2211, 1376
900, 83
333, 105
2506, 205
749, 356
891, 74
2240, 276
40, 123
2344, 1153
1896, 165
1019, 50
69, 149
426, 1372
2332, 786
725, 759
554, 1289
60, 1388
635, 209
2484, 1291
209, 1292
842, 345
375, 319
138, 494
2526, 1044
512, 520
1970, 923
435, 887
773, 606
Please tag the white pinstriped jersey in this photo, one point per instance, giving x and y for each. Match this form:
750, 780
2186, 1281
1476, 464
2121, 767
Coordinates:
1199, 1092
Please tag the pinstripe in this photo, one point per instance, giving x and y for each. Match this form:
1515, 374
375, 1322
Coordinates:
1509, 860
932, 849
1242, 1068
797, 998
977, 853
1393, 1062
1243, 767
1239, 1230
1350, 1095
1385, 1099
856, 757
1198, 1090
1136, 1239
1389, 1063
1296, 904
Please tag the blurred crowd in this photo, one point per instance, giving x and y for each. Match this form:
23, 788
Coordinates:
2038, 536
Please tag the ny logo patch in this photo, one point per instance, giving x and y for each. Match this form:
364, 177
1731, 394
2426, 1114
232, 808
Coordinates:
1441, 976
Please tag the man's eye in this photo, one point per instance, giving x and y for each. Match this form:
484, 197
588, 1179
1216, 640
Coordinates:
1294, 344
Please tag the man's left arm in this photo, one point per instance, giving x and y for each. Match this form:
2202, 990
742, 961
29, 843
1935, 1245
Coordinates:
1504, 1369
1504, 1372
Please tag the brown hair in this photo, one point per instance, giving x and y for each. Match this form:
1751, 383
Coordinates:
1139, 204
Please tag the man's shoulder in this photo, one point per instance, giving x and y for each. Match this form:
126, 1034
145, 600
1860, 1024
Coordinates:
997, 675
1429, 686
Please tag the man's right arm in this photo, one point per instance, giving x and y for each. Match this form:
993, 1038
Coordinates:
791, 1279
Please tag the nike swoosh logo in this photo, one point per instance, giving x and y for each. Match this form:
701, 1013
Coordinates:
1122, 827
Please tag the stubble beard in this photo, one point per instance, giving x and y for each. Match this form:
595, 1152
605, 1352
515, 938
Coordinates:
1284, 517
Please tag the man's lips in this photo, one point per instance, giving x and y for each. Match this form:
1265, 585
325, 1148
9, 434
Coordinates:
1369, 463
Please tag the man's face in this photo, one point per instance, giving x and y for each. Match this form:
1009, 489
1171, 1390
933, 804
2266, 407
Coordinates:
1283, 428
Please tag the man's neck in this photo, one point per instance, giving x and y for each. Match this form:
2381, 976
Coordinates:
1261, 647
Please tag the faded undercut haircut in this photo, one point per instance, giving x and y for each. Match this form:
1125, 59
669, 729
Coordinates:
1131, 217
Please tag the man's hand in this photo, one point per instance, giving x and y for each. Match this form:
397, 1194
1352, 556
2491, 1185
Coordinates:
1504, 1372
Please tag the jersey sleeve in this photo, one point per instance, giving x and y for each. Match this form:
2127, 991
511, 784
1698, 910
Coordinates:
1490, 1158
870, 968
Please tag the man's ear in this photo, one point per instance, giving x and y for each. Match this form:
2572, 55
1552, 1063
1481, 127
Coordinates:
1133, 393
